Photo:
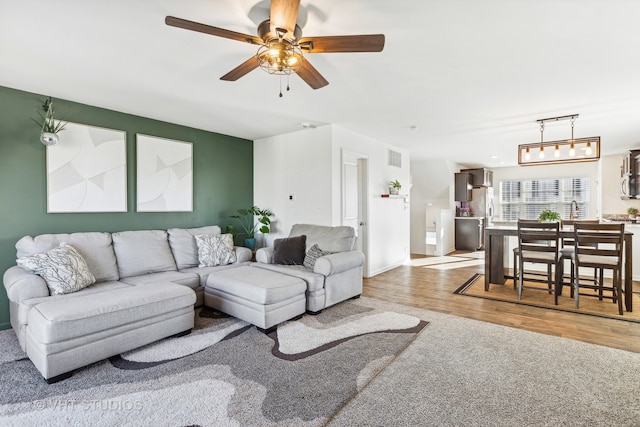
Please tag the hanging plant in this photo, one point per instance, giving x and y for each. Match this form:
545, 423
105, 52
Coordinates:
49, 127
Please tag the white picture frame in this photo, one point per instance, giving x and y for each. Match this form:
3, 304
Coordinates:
164, 175
87, 170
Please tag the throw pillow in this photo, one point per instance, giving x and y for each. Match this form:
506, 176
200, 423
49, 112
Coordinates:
312, 256
63, 269
215, 249
289, 251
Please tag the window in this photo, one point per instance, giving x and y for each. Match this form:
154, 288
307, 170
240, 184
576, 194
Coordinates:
527, 198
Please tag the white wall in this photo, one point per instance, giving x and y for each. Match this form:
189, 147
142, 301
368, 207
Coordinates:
308, 164
388, 219
586, 169
431, 192
299, 164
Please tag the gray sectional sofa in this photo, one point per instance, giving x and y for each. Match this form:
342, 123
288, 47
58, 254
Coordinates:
148, 282
146, 285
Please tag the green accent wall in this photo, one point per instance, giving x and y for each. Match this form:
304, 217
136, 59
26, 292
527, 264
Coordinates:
222, 176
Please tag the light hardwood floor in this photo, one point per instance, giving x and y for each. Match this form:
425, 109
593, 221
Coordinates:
433, 290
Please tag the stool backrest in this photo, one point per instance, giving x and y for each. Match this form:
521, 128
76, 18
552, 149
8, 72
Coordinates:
602, 243
538, 239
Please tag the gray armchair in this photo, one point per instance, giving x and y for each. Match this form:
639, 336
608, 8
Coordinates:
335, 277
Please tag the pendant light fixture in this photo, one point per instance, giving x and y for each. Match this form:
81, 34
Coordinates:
568, 151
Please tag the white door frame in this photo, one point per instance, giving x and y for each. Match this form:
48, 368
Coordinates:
361, 161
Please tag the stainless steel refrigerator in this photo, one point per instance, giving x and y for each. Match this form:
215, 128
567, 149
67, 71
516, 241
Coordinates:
481, 203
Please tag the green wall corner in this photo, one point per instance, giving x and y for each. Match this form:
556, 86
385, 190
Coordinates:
222, 176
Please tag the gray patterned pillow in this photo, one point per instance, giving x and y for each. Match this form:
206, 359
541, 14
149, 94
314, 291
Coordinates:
215, 249
312, 256
63, 268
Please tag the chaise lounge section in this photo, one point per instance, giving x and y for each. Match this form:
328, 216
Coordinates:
146, 285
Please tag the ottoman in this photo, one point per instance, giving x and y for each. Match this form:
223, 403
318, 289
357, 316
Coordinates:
261, 297
70, 333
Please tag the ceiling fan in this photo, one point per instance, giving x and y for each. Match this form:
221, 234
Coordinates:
281, 44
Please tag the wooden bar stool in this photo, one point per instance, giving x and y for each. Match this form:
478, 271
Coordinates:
538, 243
599, 246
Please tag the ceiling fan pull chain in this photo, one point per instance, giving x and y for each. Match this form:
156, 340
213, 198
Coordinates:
280, 86
288, 82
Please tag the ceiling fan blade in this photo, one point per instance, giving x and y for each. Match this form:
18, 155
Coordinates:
361, 43
284, 14
242, 69
208, 29
311, 76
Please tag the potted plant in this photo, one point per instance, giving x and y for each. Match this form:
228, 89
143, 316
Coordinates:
632, 212
394, 187
49, 128
247, 220
548, 215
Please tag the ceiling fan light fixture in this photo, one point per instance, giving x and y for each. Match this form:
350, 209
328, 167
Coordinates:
280, 57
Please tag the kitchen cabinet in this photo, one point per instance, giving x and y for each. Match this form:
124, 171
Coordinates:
629, 171
469, 232
481, 177
463, 186
637, 161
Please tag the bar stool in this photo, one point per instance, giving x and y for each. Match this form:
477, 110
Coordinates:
599, 246
516, 253
567, 251
538, 243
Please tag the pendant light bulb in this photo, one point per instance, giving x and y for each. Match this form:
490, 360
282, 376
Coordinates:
556, 152
588, 150
527, 154
541, 155
572, 149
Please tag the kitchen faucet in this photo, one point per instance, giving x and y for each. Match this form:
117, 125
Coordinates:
573, 216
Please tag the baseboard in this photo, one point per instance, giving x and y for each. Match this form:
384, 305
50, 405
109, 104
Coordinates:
5, 325
384, 269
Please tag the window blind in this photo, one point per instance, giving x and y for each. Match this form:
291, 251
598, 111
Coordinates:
527, 198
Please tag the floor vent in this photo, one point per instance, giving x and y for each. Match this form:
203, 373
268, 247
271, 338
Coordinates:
395, 159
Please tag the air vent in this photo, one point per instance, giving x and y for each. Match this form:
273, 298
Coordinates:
395, 159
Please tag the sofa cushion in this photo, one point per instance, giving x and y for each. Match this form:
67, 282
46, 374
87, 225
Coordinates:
312, 256
183, 244
95, 248
56, 321
63, 269
258, 286
314, 281
335, 239
191, 280
142, 252
215, 249
289, 251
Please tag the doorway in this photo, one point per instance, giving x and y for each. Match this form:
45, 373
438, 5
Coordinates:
354, 199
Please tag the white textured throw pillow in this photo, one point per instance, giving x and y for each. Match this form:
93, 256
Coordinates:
215, 249
63, 268
312, 256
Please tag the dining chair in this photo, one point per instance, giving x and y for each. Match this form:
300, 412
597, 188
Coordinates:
538, 242
567, 250
599, 246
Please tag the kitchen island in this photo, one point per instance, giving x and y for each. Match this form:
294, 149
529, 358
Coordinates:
494, 253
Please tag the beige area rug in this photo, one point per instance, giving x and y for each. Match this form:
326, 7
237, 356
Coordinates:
589, 305
449, 262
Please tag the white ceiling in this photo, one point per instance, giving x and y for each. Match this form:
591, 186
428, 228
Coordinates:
473, 76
